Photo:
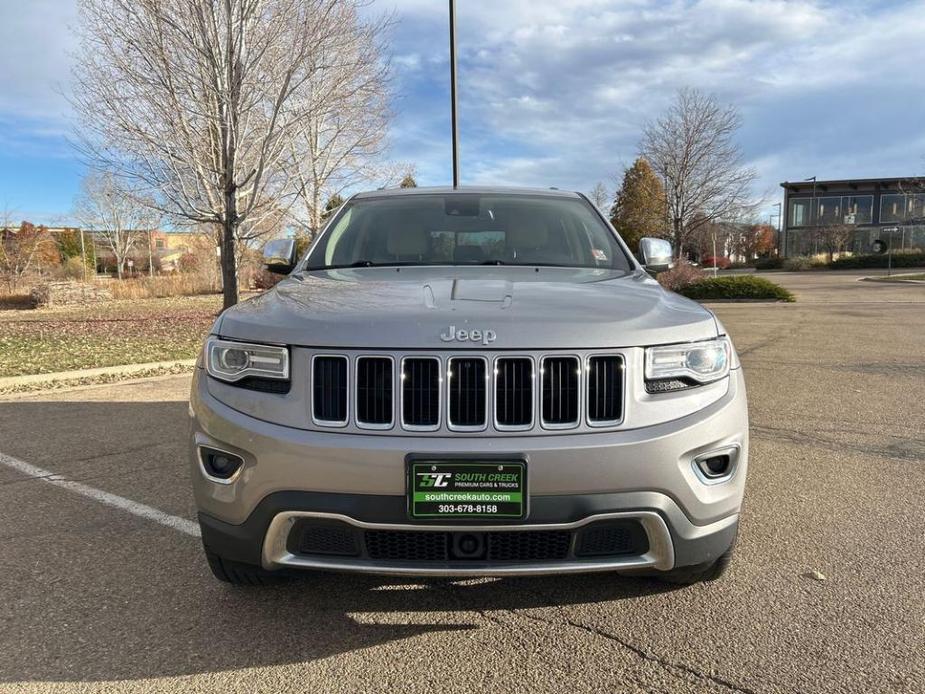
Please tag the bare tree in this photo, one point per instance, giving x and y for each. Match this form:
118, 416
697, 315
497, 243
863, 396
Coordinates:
199, 100
119, 217
339, 141
600, 196
833, 238
692, 149
21, 250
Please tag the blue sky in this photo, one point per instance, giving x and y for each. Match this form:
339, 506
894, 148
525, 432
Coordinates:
555, 93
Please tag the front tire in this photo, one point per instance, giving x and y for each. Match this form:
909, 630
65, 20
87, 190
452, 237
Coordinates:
239, 574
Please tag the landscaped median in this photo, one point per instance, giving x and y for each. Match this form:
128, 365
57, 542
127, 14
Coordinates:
914, 278
736, 288
693, 283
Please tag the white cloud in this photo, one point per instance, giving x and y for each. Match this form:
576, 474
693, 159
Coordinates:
557, 92
35, 40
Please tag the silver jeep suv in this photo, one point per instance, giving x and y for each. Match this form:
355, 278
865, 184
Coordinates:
468, 382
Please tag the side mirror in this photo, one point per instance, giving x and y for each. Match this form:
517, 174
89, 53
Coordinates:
279, 256
655, 254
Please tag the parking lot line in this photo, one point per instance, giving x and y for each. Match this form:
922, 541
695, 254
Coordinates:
181, 525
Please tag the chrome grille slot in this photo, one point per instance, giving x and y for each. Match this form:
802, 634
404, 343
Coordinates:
420, 393
374, 392
467, 393
605, 390
561, 378
514, 393
329, 390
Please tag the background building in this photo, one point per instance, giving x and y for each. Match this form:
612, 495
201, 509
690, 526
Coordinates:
822, 215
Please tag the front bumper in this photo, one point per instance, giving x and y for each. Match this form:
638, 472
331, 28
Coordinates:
672, 539
646, 474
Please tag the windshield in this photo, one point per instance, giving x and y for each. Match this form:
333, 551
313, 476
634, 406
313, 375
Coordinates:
468, 229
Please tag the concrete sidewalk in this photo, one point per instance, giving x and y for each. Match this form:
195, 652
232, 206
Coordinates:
83, 374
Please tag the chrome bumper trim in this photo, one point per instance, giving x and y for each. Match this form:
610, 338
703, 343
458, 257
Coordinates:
660, 555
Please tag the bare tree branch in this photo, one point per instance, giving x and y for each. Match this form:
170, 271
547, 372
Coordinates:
692, 149
199, 102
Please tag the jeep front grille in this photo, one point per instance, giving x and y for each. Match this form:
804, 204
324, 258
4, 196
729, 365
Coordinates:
467, 393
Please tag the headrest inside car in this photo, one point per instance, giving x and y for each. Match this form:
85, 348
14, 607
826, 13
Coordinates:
405, 240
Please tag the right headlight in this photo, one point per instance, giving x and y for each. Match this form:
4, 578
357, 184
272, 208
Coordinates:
675, 367
232, 361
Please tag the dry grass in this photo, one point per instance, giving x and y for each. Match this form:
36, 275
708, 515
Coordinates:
162, 286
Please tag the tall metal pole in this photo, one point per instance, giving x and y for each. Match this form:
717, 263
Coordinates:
83, 254
812, 216
780, 221
455, 124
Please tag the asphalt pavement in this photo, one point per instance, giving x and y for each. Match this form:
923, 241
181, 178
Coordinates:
97, 598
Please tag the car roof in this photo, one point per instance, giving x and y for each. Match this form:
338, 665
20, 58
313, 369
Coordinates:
476, 190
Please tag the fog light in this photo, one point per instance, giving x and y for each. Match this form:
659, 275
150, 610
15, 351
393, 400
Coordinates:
220, 465
715, 466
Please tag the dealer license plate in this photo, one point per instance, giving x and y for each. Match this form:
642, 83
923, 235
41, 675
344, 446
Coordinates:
467, 489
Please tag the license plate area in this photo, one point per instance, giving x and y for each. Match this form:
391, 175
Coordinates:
467, 489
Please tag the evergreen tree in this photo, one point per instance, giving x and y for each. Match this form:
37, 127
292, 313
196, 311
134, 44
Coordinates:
333, 205
639, 208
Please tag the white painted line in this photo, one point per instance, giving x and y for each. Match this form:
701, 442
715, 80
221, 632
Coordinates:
182, 525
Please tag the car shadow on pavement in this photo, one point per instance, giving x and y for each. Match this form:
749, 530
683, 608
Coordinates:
94, 594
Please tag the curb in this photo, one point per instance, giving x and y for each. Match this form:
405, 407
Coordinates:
124, 370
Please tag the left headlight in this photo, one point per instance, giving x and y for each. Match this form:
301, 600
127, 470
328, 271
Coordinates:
675, 367
232, 361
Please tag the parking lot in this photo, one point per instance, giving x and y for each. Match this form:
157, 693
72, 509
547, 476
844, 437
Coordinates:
99, 598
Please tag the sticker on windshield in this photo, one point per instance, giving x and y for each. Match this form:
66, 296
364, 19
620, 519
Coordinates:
599, 255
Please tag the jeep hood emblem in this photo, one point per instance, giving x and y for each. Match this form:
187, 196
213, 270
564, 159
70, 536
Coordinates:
451, 334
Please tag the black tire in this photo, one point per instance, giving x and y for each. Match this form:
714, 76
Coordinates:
239, 574
698, 573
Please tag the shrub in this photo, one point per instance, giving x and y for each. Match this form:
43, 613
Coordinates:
720, 262
798, 263
74, 269
681, 275
267, 280
15, 302
734, 287
773, 263
853, 262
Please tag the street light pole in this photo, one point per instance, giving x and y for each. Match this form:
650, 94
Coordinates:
453, 116
812, 211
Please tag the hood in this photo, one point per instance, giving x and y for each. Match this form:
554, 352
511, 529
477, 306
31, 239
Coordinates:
468, 307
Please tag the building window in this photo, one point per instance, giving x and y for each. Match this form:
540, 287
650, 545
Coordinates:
916, 208
159, 244
857, 209
829, 211
892, 208
800, 212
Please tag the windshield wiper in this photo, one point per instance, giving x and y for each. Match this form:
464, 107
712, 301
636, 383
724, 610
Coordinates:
364, 263
493, 262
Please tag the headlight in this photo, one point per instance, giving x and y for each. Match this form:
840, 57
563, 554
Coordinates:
675, 367
232, 361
